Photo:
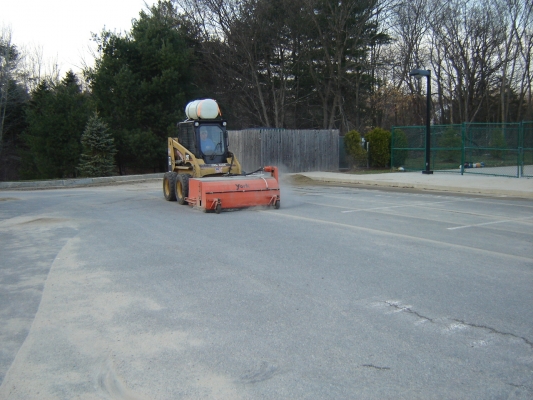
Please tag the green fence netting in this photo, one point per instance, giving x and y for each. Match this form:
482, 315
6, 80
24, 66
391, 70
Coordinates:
408, 147
493, 148
489, 149
527, 149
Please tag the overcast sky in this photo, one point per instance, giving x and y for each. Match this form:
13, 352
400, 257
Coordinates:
63, 27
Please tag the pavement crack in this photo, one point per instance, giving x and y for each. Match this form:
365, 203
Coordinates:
407, 310
264, 372
521, 387
492, 330
374, 366
396, 305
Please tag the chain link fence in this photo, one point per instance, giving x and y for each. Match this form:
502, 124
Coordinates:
493, 148
527, 149
504, 149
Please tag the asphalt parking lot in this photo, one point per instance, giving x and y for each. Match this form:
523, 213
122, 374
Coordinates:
112, 292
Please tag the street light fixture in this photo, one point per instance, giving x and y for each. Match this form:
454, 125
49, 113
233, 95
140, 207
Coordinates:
419, 73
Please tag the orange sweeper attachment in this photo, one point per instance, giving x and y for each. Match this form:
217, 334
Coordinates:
203, 173
219, 192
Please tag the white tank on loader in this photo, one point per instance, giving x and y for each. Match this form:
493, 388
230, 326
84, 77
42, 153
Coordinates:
202, 109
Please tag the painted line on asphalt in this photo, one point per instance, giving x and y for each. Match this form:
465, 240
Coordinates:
402, 236
487, 223
484, 223
425, 204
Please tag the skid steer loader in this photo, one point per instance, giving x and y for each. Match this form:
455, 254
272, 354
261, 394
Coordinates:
203, 173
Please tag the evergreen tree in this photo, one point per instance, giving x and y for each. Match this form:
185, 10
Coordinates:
97, 157
13, 98
141, 83
55, 117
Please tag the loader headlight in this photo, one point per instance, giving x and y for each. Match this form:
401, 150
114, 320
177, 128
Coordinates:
224, 123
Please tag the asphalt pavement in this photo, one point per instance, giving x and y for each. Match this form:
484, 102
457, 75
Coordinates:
437, 182
111, 292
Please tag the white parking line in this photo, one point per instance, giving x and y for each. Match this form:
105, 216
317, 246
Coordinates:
403, 205
488, 223
484, 223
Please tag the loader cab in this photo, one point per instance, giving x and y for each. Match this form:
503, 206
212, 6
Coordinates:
207, 140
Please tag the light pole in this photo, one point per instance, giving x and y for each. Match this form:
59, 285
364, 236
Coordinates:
419, 73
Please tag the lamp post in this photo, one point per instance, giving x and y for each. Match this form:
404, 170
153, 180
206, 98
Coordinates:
419, 73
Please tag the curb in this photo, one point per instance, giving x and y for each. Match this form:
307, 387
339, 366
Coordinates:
69, 183
369, 183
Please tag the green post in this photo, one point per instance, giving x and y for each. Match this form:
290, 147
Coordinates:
521, 149
463, 139
392, 148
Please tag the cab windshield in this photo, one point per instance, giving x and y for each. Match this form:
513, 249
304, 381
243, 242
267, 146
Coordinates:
212, 140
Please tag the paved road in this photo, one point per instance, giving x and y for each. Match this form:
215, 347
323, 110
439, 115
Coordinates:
111, 292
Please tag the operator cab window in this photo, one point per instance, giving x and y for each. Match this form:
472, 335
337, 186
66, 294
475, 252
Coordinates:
212, 140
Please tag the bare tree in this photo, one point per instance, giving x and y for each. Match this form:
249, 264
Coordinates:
245, 52
479, 52
517, 17
409, 25
34, 69
514, 15
469, 35
526, 64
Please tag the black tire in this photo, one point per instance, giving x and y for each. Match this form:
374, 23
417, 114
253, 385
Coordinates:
182, 188
218, 208
169, 186
276, 205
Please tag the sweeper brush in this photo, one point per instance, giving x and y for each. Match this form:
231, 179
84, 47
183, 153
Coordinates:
230, 192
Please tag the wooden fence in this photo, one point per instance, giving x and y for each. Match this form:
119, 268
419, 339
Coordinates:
290, 150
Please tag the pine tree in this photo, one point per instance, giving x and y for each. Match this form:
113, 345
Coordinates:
141, 83
56, 117
97, 158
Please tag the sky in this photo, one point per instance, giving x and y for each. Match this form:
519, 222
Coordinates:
62, 28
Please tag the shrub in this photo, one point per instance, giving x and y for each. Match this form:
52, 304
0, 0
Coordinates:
352, 143
400, 142
379, 151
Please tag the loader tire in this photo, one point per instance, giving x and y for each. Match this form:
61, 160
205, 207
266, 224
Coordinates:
182, 188
169, 186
